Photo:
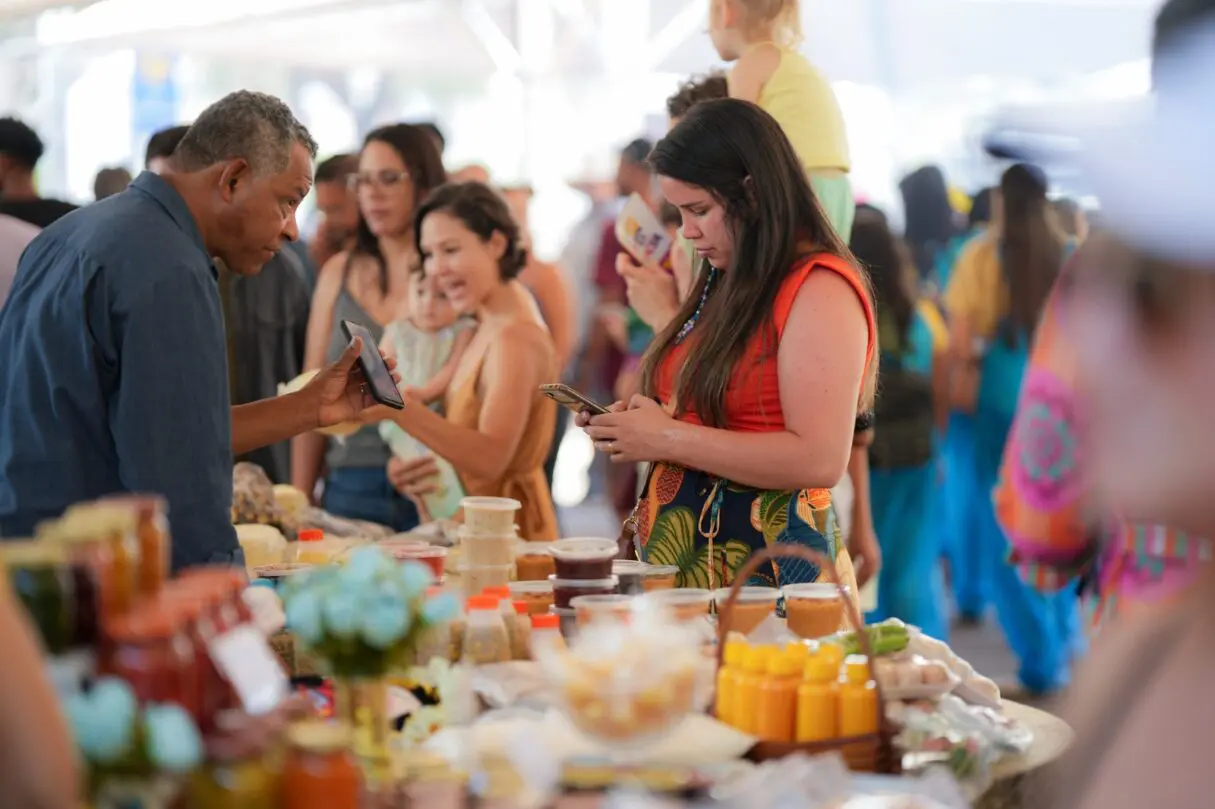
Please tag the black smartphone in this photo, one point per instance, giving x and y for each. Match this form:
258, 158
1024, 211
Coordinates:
375, 369
566, 396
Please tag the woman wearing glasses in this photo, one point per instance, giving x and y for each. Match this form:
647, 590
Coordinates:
398, 166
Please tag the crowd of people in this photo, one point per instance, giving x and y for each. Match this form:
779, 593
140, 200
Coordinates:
792, 341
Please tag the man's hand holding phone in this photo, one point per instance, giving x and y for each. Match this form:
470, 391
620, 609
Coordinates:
340, 392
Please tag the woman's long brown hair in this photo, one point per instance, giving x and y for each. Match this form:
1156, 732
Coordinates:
1031, 248
738, 153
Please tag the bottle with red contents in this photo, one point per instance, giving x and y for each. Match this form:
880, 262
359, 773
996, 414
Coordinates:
154, 655
320, 772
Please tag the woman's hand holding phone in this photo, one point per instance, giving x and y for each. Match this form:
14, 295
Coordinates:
631, 434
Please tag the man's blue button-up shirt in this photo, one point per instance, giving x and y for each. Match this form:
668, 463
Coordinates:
113, 371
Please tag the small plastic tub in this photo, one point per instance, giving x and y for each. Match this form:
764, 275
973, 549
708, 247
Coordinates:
686, 604
813, 610
753, 605
565, 590
659, 577
584, 557
492, 516
488, 549
432, 556
534, 561
537, 595
631, 575
475, 578
602, 607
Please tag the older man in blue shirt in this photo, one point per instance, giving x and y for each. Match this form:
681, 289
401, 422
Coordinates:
112, 354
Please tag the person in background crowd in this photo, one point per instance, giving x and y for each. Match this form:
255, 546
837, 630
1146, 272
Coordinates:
556, 302
337, 206
112, 342
958, 498
14, 236
761, 38
368, 284
265, 320
39, 767
611, 357
498, 427
436, 134
994, 301
1071, 218
750, 394
20, 151
912, 339
1056, 531
930, 217
475, 173
110, 182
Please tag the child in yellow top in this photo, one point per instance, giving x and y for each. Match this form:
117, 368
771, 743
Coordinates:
761, 38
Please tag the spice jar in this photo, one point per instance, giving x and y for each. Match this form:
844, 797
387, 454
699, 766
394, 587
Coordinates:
152, 653
152, 535
42, 582
520, 632
320, 771
485, 636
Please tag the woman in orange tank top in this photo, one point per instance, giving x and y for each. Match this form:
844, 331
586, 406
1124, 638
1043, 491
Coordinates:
752, 391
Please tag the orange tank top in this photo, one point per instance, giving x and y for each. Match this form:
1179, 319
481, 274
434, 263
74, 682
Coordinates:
753, 397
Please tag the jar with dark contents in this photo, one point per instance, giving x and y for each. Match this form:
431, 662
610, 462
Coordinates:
584, 558
631, 575
92, 571
43, 583
565, 590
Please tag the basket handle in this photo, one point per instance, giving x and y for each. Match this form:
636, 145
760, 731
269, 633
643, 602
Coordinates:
789, 551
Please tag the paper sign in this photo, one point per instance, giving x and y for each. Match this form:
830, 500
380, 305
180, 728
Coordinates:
640, 232
246, 660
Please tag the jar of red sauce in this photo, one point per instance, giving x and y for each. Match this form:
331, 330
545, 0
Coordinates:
152, 535
320, 771
214, 692
152, 652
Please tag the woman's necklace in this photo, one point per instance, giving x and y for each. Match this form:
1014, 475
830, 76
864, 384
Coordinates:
686, 328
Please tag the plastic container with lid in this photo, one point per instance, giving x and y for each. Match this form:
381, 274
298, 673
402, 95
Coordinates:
813, 610
320, 771
154, 655
546, 634
488, 549
858, 710
567, 621
687, 604
584, 557
591, 608
631, 575
490, 515
433, 556
660, 577
746, 692
485, 636
311, 548
818, 700
752, 606
537, 595
476, 579
534, 561
565, 590
776, 714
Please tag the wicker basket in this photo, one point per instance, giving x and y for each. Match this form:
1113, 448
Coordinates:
873, 752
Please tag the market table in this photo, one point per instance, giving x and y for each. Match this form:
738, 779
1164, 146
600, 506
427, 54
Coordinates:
1052, 738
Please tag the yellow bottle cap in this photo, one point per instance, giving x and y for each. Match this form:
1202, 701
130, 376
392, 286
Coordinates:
856, 669
784, 664
735, 652
756, 661
822, 669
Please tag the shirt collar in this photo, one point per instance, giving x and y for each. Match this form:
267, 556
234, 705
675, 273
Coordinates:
160, 190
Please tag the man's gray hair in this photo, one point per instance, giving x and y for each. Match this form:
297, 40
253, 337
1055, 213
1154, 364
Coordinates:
256, 127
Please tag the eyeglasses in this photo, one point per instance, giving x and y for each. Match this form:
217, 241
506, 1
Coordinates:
382, 179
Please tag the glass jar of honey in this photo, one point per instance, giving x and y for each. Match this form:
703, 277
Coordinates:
320, 771
152, 535
116, 526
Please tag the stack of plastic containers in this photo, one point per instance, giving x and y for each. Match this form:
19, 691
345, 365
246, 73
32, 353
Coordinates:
488, 538
584, 567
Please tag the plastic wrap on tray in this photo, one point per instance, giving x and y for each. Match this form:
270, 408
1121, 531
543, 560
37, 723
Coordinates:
913, 677
930, 738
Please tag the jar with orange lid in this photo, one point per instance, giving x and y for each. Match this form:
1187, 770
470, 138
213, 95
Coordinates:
152, 653
152, 535
115, 526
311, 547
320, 771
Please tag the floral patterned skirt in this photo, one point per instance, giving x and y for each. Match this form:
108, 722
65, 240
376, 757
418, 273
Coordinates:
681, 509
